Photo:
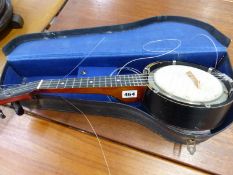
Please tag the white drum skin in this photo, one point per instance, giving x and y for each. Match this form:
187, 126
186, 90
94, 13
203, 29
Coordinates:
188, 84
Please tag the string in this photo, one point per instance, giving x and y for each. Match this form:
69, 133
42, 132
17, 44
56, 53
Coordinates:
141, 80
30, 85
127, 75
86, 80
19, 89
214, 45
94, 131
91, 51
99, 79
136, 71
157, 56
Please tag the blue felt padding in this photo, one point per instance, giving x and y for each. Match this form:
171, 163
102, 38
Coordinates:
114, 49
129, 42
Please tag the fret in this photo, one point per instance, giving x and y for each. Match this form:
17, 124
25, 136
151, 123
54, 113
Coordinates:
115, 81
80, 84
98, 81
69, 82
134, 80
105, 81
137, 79
102, 82
24, 88
131, 79
123, 78
118, 81
58, 83
66, 82
43, 84
46, 84
87, 82
39, 85
49, 83
140, 79
91, 82
127, 79
110, 81
143, 80
94, 82
61, 83
84, 82
54, 83
72, 86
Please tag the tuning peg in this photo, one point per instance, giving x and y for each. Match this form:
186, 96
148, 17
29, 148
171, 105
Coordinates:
18, 108
2, 115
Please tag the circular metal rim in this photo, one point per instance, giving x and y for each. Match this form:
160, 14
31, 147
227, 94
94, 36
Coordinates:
159, 64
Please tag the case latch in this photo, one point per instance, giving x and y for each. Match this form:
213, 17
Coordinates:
191, 145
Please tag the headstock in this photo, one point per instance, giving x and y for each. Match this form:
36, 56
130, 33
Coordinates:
15, 93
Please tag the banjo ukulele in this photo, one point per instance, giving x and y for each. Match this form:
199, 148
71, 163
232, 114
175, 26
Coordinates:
180, 94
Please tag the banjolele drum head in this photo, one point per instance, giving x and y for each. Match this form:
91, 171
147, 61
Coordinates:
187, 95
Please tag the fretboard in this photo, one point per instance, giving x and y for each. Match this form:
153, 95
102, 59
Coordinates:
94, 82
89, 82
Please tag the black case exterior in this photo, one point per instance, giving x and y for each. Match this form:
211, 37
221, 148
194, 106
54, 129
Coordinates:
119, 110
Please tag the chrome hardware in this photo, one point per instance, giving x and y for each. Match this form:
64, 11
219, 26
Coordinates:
83, 72
191, 146
210, 69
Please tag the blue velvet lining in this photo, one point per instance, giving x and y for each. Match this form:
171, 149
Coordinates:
127, 43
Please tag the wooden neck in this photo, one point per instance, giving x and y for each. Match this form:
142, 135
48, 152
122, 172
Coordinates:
115, 86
